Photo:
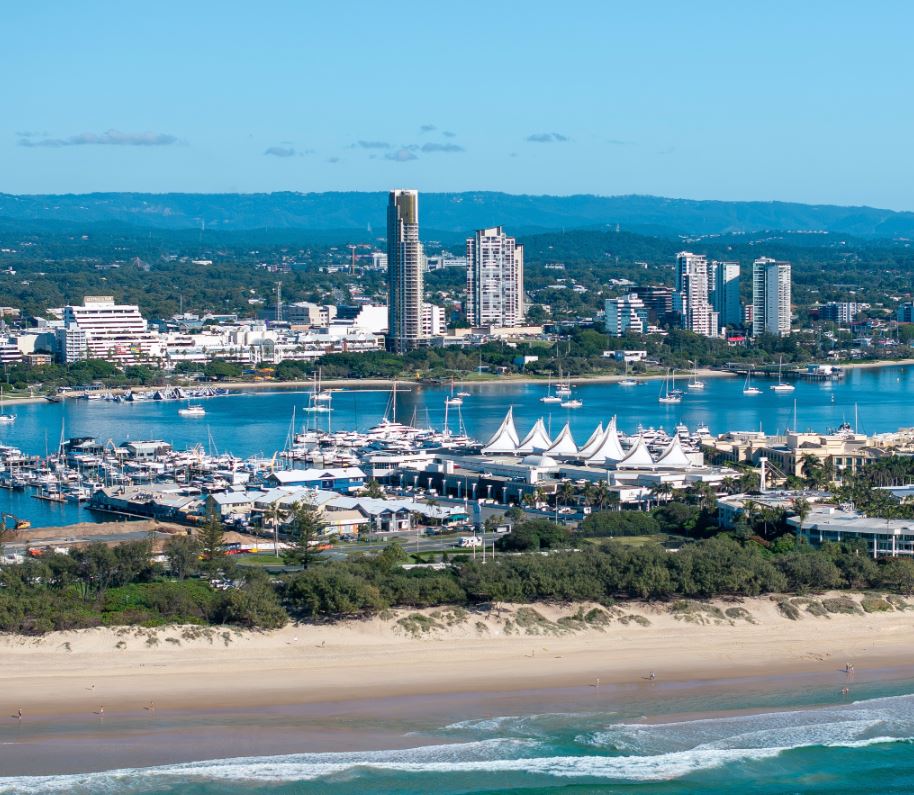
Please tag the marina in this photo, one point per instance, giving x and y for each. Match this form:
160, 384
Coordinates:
262, 431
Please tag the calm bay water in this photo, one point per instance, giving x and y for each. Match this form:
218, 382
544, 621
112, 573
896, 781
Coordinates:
258, 422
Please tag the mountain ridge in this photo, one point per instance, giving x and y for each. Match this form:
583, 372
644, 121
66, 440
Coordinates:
453, 212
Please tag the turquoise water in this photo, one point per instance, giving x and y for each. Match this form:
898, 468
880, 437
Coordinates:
258, 422
851, 747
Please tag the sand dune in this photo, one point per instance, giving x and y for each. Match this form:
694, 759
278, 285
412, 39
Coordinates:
503, 648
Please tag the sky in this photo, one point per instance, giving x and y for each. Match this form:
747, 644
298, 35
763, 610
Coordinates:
798, 101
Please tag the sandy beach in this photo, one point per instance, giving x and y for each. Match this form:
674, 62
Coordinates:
445, 651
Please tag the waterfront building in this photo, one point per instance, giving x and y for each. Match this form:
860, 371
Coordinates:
770, 297
626, 315
692, 294
405, 283
495, 279
829, 524
102, 329
658, 301
841, 312
725, 295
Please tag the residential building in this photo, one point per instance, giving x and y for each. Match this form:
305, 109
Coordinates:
378, 261
692, 294
770, 297
905, 313
434, 322
841, 312
657, 300
626, 315
405, 280
495, 279
102, 329
725, 296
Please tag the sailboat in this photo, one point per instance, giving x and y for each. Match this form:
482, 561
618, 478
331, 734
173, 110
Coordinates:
780, 386
317, 398
549, 397
5, 419
321, 395
694, 382
562, 388
628, 380
454, 400
748, 389
668, 396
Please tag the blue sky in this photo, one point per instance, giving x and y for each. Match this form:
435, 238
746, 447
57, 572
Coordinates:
800, 101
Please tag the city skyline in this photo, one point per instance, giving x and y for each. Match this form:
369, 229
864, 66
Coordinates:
608, 107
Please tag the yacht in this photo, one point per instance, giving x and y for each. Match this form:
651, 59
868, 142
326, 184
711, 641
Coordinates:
748, 389
628, 382
192, 411
572, 404
694, 383
780, 386
549, 397
5, 419
454, 400
667, 395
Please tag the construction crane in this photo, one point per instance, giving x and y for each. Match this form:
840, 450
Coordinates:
17, 523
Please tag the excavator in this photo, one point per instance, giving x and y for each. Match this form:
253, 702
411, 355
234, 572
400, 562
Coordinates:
11, 522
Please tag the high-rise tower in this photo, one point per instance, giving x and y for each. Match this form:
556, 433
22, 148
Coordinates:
495, 279
404, 272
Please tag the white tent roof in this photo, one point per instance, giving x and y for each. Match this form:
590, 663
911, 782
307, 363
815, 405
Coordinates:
564, 444
674, 457
536, 441
638, 457
593, 442
610, 448
505, 439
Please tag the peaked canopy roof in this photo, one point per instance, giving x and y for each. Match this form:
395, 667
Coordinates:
673, 457
610, 448
537, 441
593, 442
564, 444
505, 439
638, 456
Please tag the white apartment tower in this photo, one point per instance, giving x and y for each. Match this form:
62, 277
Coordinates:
693, 287
770, 297
404, 272
495, 279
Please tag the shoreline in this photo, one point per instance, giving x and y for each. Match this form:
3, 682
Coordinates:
373, 685
387, 383
379, 658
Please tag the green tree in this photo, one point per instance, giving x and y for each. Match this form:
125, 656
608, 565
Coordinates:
305, 527
221, 369
183, 555
373, 489
212, 543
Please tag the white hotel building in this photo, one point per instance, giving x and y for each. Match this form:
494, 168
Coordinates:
102, 329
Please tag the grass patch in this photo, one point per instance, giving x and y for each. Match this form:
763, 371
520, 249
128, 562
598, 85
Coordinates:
788, 610
633, 618
842, 604
874, 604
740, 614
450, 616
418, 624
259, 560
816, 609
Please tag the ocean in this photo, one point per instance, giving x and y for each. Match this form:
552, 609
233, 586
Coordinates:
861, 745
257, 422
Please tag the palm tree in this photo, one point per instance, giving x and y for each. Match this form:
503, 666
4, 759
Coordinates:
567, 491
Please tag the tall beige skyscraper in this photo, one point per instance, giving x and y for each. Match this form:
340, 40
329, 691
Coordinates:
405, 282
495, 279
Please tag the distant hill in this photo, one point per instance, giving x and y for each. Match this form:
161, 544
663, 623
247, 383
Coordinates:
454, 213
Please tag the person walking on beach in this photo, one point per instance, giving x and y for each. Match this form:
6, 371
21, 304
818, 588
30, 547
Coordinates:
652, 676
19, 714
